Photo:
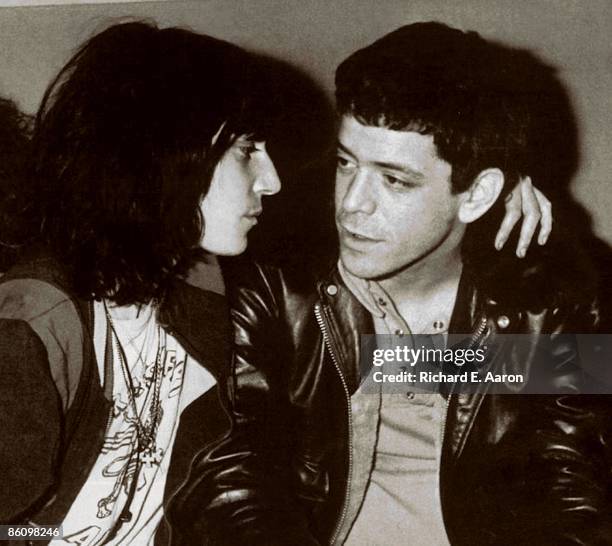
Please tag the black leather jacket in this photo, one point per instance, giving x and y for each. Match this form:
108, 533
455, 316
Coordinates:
515, 469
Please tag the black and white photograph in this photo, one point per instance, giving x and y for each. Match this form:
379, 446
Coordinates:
306, 273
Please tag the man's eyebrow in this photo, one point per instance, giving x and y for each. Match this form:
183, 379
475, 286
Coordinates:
401, 168
386, 165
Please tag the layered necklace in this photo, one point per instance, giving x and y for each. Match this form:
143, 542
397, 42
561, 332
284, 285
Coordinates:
147, 419
146, 423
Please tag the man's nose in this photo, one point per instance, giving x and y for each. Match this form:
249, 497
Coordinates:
358, 196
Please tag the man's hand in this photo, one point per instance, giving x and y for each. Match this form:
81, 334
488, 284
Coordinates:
527, 201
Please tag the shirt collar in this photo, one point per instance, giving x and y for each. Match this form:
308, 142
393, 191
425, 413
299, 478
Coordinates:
369, 293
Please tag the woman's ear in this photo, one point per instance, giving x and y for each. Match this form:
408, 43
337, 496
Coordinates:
481, 195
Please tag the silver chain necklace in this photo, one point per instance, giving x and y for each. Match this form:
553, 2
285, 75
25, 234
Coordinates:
146, 431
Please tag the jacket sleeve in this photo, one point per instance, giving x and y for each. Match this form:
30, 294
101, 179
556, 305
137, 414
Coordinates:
30, 421
569, 463
576, 444
575, 469
238, 491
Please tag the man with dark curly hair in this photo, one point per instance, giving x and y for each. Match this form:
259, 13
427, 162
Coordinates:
435, 127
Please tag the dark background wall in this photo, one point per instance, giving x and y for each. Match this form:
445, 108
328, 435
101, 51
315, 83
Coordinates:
315, 35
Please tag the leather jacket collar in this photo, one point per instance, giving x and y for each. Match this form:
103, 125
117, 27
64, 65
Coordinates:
346, 319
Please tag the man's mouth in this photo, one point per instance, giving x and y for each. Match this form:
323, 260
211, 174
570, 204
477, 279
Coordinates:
358, 237
355, 236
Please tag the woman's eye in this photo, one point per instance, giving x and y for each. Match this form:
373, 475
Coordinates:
247, 150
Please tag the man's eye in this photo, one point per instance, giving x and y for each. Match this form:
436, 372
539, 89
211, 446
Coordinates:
398, 182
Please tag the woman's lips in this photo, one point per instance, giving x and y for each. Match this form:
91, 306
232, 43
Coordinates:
252, 215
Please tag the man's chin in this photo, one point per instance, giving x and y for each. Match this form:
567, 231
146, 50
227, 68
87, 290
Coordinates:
363, 267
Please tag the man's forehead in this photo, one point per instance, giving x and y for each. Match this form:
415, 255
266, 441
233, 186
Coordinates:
377, 145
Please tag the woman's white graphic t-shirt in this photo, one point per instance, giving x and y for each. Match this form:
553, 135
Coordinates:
96, 509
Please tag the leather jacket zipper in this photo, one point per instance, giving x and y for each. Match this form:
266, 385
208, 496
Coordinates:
328, 343
477, 335
476, 338
442, 435
443, 428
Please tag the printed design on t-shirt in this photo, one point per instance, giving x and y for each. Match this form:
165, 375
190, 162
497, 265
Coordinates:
121, 439
124, 480
175, 372
84, 537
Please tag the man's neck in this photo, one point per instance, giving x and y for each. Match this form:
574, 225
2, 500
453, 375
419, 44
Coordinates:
424, 279
425, 293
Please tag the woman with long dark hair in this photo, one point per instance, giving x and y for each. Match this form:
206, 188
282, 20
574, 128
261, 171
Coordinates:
148, 158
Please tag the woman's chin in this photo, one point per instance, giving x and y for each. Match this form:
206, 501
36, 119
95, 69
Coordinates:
227, 248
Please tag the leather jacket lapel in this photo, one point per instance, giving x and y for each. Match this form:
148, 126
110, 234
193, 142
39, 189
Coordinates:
346, 320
